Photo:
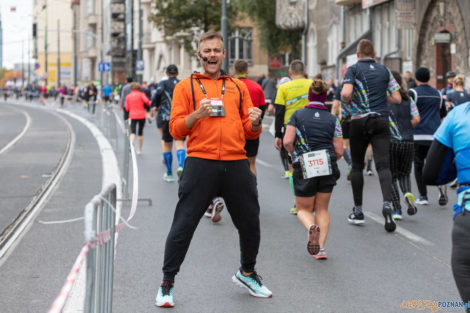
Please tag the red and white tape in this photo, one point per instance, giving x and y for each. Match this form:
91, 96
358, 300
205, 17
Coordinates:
101, 238
59, 302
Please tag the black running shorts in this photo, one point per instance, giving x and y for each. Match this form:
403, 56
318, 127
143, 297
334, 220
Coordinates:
345, 127
310, 187
166, 136
251, 147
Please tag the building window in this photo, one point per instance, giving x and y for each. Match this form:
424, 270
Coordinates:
241, 45
333, 43
89, 7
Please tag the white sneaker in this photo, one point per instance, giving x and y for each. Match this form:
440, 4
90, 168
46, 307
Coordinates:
165, 296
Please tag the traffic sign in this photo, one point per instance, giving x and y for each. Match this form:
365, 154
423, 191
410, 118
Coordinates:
104, 67
139, 66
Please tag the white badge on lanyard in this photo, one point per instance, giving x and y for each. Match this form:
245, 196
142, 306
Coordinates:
217, 107
315, 164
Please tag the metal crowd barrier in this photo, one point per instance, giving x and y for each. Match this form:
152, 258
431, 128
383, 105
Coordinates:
100, 221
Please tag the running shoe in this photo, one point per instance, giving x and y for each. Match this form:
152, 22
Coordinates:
168, 178
397, 215
422, 200
313, 244
253, 283
217, 207
179, 172
349, 172
285, 175
139, 152
293, 211
443, 195
165, 295
370, 172
321, 255
389, 222
409, 199
356, 218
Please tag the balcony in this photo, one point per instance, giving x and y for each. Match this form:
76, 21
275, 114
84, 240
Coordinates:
347, 2
92, 19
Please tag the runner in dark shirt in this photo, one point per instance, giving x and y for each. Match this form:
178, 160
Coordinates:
406, 116
314, 139
365, 91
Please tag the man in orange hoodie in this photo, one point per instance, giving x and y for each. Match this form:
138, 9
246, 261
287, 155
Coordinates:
216, 114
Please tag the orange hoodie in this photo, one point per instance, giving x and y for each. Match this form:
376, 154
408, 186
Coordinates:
213, 138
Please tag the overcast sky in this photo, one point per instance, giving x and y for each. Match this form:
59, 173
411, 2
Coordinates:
17, 27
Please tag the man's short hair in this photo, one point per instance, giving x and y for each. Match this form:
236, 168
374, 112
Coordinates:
130, 80
210, 35
365, 48
240, 66
423, 75
297, 67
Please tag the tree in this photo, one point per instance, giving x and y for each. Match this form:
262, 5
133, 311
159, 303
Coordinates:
184, 20
272, 38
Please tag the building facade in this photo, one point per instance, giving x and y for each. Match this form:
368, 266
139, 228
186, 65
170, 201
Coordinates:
53, 42
1, 42
406, 34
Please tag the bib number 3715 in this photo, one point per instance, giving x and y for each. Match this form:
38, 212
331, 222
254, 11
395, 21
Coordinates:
315, 164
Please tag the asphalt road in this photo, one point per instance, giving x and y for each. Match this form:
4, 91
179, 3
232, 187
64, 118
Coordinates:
368, 270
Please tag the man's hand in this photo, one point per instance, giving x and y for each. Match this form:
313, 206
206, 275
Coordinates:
205, 108
278, 143
255, 116
270, 109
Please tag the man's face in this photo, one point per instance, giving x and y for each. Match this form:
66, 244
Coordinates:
407, 75
213, 50
450, 80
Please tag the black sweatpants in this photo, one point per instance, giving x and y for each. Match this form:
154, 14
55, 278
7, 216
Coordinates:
461, 255
202, 180
374, 130
421, 151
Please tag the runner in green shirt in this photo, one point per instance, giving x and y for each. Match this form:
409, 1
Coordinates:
291, 96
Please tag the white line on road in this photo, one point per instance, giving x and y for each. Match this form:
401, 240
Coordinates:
400, 230
111, 174
15, 140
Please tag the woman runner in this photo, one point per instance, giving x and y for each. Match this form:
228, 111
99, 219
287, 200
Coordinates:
314, 129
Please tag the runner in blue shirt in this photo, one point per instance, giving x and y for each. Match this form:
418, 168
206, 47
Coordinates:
452, 140
107, 90
365, 91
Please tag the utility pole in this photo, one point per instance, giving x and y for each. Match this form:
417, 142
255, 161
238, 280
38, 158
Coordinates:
130, 61
29, 61
58, 53
22, 64
75, 65
225, 34
102, 41
45, 47
139, 43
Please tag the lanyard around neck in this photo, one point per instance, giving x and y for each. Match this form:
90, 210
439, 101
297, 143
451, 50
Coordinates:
204, 90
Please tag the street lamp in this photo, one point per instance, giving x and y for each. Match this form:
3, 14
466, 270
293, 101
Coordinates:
224, 27
44, 7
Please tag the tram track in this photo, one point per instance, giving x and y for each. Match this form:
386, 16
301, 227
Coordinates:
12, 234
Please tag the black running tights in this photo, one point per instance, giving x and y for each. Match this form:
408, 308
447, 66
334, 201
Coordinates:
401, 160
373, 130
461, 256
421, 151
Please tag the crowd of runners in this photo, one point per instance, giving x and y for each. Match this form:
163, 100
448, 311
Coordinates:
374, 116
